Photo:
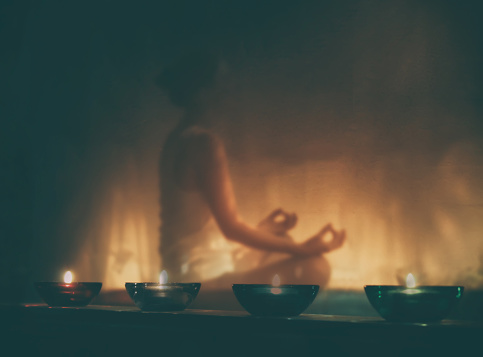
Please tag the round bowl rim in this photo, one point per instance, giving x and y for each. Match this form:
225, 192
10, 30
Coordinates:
416, 287
158, 284
273, 286
53, 283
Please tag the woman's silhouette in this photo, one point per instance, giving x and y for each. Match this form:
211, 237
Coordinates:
203, 237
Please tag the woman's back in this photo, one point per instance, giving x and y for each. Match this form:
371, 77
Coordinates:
192, 247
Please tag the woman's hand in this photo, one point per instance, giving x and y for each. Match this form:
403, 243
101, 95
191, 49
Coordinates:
279, 223
317, 244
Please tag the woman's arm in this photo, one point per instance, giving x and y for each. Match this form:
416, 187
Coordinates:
214, 182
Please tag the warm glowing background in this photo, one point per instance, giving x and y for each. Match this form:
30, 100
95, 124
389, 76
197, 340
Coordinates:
367, 115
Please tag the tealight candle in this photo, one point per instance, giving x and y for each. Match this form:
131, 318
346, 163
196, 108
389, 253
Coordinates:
412, 303
68, 293
275, 299
163, 296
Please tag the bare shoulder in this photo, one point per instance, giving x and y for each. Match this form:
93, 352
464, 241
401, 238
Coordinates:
200, 139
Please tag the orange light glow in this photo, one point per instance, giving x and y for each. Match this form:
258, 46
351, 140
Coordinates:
68, 277
410, 281
276, 282
163, 277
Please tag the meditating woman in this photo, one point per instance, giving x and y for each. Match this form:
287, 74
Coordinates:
203, 236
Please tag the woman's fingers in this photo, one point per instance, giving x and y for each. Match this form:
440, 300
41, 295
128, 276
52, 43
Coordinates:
338, 239
269, 221
325, 246
325, 229
280, 220
274, 214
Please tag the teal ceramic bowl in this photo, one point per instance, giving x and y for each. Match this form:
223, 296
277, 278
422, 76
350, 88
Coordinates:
267, 300
163, 297
419, 304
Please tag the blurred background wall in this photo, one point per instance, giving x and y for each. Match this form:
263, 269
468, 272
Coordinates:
367, 114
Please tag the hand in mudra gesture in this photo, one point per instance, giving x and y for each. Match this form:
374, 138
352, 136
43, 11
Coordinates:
319, 244
279, 222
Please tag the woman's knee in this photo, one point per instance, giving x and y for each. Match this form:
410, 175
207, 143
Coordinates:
314, 270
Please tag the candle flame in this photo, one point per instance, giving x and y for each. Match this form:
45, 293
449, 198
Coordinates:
410, 281
276, 280
163, 277
68, 277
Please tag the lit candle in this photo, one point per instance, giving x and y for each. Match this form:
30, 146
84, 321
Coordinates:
410, 281
410, 285
68, 277
68, 293
163, 277
276, 283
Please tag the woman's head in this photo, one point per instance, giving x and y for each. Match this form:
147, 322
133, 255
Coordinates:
185, 78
